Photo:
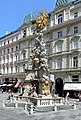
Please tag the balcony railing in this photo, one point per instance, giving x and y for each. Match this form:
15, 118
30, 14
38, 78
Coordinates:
70, 69
64, 52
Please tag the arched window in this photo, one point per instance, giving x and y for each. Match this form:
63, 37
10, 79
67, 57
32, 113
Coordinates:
60, 18
23, 67
75, 42
75, 61
59, 63
24, 55
58, 47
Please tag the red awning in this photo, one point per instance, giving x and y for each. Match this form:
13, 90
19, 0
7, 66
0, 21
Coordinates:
17, 84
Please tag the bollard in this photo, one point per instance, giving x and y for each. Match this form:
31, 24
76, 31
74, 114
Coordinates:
31, 112
15, 99
63, 100
16, 104
25, 106
3, 104
74, 105
11, 99
66, 99
55, 108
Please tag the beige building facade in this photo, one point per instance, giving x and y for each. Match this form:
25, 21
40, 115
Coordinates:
62, 36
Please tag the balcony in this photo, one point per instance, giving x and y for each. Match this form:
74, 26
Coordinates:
59, 53
75, 50
22, 60
19, 74
66, 70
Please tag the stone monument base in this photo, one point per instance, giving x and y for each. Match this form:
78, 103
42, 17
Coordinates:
44, 96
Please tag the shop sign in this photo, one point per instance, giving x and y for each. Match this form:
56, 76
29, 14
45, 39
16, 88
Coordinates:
72, 86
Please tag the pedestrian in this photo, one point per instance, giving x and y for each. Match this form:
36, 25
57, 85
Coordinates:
79, 97
67, 95
10, 94
2, 90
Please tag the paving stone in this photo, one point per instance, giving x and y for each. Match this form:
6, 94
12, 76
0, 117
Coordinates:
63, 113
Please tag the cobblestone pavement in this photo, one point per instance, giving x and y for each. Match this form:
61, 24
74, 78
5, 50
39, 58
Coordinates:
20, 114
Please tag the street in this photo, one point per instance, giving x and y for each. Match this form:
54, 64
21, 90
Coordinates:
10, 113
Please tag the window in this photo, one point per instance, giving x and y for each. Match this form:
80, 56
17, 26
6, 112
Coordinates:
60, 34
4, 43
11, 69
59, 47
59, 64
12, 39
8, 50
75, 78
8, 41
4, 51
75, 30
75, 61
24, 33
75, 14
28, 31
60, 18
4, 60
17, 38
16, 48
24, 55
74, 44
12, 49
3, 70
7, 59
7, 69
23, 67
0, 52
16, 57
16, 69
12, 59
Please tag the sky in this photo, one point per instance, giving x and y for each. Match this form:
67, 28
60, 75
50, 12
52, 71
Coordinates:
12, 12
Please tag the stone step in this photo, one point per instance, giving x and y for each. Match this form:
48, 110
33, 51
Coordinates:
51, 108
43, 109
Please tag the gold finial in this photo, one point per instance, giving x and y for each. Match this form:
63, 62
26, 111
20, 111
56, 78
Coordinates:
42, 20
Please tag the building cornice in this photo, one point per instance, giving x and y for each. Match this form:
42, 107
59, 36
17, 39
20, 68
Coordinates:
9, 45
68, 23
11, 34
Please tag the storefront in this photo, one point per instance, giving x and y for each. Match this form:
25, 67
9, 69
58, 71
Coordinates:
73, 88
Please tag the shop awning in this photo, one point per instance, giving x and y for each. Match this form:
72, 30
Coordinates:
17, 84
9, 85
72, 86
3, 85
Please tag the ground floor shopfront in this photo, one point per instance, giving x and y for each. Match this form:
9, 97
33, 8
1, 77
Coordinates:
74, 89
70, 79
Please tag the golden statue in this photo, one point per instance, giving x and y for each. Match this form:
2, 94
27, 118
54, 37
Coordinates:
46, 88
42, 21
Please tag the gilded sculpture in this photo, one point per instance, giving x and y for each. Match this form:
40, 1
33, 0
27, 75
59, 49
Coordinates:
42, 20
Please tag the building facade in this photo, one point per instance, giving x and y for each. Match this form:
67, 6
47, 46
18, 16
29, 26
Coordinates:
62, 36
65, 45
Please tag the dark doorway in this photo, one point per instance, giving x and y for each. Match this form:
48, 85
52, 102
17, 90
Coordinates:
59, 87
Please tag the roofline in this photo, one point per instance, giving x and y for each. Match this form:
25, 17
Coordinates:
12, 32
